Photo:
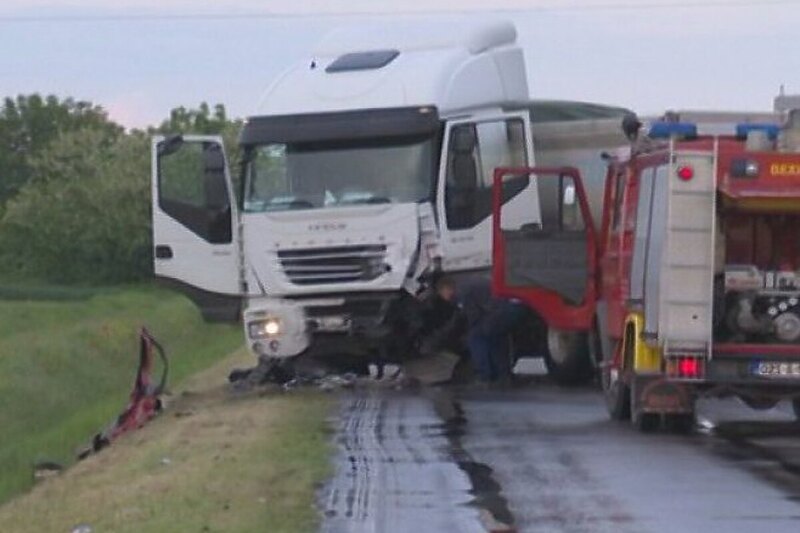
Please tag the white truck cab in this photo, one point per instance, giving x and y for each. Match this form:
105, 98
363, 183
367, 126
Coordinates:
368, 166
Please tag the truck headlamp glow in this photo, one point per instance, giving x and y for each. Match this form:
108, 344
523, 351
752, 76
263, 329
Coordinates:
265, 329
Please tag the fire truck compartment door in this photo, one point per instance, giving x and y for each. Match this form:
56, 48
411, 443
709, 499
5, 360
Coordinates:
195, 228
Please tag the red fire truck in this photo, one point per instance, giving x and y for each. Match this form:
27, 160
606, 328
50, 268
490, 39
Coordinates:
689, 287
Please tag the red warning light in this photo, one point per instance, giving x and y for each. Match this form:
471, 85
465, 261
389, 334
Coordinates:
689, 367
685, 173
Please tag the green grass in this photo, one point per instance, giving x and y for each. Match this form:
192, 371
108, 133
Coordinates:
67, 364
237, 463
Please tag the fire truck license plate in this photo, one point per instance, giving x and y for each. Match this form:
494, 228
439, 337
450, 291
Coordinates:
775, 369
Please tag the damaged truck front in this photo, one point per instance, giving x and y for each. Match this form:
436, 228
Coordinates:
368, 167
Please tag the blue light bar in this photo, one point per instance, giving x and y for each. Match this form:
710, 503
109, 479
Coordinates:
665, 130
771, 130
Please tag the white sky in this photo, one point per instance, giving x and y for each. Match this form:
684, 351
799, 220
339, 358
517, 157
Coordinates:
732, 55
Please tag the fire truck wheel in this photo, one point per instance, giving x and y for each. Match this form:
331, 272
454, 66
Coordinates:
646, 422
567, 357
682, 423
617, 394
759, 403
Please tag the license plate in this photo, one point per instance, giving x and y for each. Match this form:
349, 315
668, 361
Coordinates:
775, 369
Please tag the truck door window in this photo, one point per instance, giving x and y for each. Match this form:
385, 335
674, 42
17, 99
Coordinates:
193, 190
475, 150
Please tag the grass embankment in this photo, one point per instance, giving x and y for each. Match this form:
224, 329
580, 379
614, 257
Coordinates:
212, 463
67, 362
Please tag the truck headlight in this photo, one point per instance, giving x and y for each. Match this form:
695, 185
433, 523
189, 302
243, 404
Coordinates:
267, 328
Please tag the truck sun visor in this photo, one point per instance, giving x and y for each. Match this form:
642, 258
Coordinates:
361, 124
362, 61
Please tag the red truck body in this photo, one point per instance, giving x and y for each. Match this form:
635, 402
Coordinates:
692, 280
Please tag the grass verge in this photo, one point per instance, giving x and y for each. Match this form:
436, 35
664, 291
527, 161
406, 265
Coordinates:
67, 364
211, 463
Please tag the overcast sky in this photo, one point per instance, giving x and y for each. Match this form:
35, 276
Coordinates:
143, 57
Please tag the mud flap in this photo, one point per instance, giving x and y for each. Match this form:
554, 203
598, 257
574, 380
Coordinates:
655, 394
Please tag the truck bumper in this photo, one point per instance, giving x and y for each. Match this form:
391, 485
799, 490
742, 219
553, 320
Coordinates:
352, 324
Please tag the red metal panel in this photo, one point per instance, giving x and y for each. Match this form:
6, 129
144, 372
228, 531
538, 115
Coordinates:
548, 304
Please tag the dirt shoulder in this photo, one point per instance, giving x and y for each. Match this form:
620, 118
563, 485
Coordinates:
212, 462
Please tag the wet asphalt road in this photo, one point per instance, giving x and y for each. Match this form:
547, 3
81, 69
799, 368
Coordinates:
541, 458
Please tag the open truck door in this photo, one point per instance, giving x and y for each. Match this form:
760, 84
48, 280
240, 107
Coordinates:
195, 223
550, 263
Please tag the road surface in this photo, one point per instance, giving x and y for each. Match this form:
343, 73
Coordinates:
541, 458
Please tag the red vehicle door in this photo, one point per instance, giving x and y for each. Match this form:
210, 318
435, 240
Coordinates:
547, 257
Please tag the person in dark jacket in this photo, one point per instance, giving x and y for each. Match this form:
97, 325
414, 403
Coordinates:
490, 321
441, 321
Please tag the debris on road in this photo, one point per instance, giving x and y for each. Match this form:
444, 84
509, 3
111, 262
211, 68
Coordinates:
46, 469
146, 399
428, 370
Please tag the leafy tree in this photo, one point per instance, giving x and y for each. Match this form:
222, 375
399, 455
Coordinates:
201, 120
85, 217
28, 123
83, 212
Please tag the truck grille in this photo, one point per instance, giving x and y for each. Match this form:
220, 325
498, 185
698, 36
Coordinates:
340, 264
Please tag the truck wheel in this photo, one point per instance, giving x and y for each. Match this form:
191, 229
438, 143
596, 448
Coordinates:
567, 357
646, 422
759, 403
681, 423
617, 394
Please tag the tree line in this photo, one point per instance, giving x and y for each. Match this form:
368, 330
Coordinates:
75, 188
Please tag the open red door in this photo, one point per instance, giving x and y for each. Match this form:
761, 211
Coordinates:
547, 257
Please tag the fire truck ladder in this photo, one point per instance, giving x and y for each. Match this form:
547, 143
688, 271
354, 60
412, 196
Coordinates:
687, 267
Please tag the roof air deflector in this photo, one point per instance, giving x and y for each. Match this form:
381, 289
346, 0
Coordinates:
363, 61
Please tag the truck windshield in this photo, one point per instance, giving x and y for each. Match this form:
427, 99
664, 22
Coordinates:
312, 175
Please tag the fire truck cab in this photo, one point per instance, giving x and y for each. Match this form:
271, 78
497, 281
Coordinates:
690, 284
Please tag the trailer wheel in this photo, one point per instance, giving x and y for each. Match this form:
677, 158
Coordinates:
617, 394
567, 357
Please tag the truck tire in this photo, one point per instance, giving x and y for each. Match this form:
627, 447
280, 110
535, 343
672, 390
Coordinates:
759, 403
646, 422
616, 392
680, 423
567, 357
